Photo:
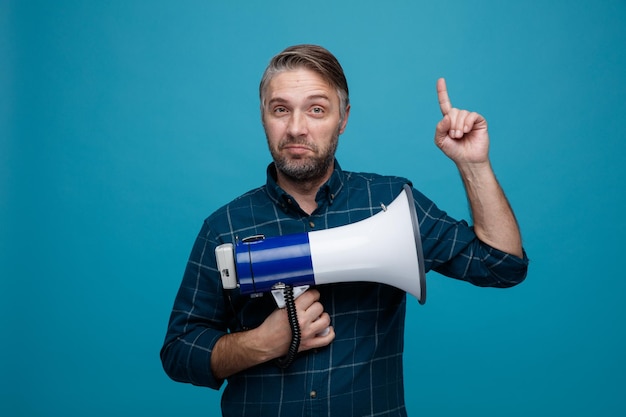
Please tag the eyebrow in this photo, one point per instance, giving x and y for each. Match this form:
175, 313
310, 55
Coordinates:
313, 97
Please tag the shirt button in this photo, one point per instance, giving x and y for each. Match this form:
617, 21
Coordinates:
313, 394
311, 224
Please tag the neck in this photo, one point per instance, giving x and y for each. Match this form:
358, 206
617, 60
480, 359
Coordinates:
304, 191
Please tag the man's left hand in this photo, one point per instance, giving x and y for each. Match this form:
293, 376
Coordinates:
461, 135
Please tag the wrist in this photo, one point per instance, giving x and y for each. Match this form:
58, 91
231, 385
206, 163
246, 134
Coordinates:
476, 172
259, 347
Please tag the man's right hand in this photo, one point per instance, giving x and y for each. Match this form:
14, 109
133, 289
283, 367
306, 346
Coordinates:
312, 319
235, 352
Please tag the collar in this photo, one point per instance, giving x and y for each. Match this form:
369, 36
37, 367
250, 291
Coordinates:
327, 193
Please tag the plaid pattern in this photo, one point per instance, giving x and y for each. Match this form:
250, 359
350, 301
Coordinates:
360, 372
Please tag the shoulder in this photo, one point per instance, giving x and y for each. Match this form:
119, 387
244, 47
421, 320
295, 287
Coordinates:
384, 188
375, 182
245, 206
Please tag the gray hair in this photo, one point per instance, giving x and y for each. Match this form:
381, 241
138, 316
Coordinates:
314, 58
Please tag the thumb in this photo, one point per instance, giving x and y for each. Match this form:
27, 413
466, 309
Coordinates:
442, 129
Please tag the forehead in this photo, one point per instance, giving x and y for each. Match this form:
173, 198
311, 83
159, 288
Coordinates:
299, 83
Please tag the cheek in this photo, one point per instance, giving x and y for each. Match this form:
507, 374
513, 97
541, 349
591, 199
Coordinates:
273, 131
330, 130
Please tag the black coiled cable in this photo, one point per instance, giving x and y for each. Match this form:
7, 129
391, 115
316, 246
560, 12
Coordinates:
290, 305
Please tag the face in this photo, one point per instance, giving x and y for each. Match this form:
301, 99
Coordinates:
302, 124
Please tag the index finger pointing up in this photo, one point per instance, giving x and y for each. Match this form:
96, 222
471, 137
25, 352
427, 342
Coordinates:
442, 94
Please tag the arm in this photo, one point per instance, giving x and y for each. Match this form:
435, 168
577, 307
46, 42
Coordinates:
464, 138
236, 352
198, 346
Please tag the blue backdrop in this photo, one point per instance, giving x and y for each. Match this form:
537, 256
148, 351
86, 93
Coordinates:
125, 123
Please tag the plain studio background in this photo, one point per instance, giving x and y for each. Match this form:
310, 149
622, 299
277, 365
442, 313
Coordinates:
125, 123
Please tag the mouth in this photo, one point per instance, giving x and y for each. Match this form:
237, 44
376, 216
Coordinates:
297, 148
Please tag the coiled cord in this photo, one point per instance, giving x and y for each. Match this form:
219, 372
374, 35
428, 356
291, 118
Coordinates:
290, 305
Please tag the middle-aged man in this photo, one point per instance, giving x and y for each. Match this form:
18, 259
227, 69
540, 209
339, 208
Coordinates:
355, 368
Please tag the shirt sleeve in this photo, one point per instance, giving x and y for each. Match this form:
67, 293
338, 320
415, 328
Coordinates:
197, 320
452, 248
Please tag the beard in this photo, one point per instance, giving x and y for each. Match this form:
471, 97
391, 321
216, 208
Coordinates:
307, 168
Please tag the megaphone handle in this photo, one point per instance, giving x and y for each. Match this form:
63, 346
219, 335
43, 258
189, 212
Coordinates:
279, 296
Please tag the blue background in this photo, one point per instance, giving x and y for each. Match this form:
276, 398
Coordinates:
125, 123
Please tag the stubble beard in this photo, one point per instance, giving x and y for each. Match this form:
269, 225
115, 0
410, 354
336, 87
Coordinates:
309, 168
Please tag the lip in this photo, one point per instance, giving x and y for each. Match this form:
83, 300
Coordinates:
297, 149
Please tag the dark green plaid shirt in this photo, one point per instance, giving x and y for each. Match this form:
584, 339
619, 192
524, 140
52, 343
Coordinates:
360, 372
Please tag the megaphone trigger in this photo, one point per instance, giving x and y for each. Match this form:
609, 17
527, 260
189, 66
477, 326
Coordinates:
324, 332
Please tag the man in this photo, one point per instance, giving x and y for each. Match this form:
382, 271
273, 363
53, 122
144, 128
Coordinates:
355, 368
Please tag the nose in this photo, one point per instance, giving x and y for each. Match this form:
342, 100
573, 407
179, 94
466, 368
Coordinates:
297, 125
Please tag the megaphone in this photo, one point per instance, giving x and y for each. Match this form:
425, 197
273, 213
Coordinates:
385, 248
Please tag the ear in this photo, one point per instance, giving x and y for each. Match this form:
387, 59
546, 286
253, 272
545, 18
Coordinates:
344, 122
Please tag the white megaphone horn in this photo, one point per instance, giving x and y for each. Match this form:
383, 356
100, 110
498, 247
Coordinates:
385, 248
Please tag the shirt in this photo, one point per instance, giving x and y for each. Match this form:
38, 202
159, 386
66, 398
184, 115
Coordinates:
361, 372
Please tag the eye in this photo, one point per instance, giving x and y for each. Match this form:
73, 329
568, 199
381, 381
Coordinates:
280, 109
317, 110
